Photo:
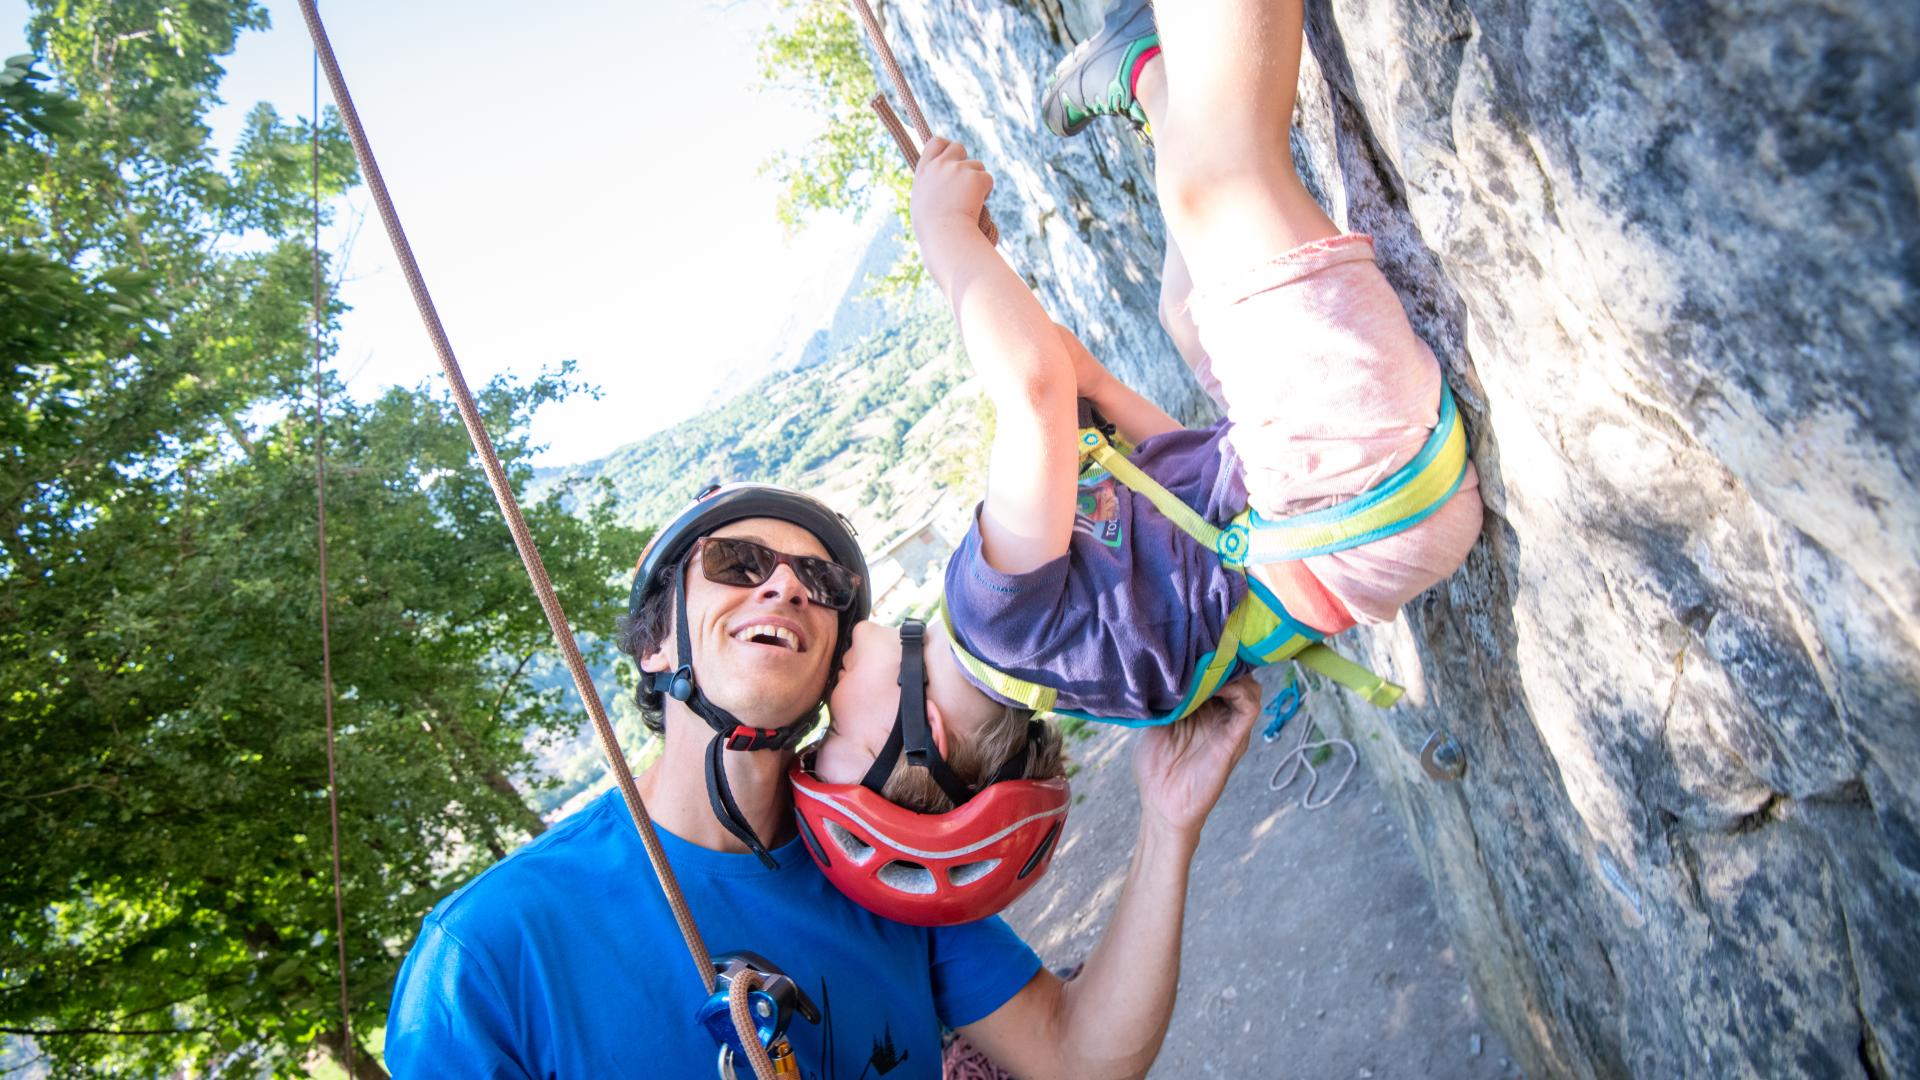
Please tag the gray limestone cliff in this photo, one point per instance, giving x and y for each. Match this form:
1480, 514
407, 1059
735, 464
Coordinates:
1667, 254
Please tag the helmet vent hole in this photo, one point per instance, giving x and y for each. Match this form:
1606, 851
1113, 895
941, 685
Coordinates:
907, 877
968, 873
857, 850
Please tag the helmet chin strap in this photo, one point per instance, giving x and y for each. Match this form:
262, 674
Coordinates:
913, 732
729, 732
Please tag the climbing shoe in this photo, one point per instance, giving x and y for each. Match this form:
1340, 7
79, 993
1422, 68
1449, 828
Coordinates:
1096, 78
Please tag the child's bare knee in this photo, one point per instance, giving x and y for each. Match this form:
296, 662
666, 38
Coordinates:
1218, 179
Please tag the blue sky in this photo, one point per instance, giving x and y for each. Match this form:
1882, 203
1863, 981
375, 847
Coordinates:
577, 180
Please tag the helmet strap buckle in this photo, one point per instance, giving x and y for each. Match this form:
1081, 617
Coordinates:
744, 737
912, 730
676, 684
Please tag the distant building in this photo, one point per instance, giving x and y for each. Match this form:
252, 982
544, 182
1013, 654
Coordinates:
906, 564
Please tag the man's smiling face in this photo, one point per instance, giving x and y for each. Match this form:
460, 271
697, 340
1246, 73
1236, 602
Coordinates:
761, 652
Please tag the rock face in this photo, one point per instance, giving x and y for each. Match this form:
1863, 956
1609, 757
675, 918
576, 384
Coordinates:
1668, 254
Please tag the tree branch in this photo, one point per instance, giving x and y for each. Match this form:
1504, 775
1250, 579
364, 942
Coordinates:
239, 434
508, 685
85, 785
41, 1033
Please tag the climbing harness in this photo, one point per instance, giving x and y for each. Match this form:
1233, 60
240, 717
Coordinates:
1259, 631
757, 1053
714, 507
931, 869
1413, 493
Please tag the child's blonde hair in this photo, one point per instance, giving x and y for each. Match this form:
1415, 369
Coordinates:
976, 756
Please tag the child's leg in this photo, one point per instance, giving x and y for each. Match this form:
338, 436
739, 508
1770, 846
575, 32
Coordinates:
1224, 169
1176, 282
1327, 387
1176, 317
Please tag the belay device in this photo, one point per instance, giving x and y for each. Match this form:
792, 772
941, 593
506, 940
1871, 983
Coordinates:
771, 1002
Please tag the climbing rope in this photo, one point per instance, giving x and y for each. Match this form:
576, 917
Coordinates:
737, 1007
517, 525
326, 643
911, 104
1283, 707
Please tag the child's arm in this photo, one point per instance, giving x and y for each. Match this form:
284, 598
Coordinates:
1027, 520
1136, 418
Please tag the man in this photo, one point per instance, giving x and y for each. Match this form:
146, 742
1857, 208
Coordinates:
563, 960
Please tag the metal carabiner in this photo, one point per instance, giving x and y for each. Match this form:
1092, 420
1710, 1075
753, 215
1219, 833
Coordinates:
1285, 704
785, 1065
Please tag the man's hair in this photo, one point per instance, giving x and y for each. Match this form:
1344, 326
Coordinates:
640, 635
974, 758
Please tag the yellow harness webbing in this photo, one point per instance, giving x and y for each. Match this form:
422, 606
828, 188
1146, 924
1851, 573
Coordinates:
1028, 694
1254, 633
1403, 500
1259, 631
1400, 502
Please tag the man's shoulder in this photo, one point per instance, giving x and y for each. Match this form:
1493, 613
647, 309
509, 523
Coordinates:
539, 874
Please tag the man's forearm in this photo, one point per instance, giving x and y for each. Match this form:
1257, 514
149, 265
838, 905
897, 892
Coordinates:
1114, 1017
1111, 1021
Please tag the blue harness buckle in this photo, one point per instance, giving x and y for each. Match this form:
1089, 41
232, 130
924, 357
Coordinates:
1233, 546
1284, 706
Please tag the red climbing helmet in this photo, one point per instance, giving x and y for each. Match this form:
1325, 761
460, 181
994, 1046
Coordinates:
930, 869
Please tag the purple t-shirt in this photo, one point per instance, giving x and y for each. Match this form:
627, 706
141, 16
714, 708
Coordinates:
1120, 623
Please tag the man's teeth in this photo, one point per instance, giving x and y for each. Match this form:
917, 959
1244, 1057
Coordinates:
776, 634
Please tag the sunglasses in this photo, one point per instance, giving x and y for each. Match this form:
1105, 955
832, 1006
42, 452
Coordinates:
745, 564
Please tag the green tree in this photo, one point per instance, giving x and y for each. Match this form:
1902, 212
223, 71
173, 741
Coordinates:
853, 162
164, 861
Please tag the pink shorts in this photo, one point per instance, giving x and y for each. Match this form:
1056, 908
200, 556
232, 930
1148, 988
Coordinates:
1328, 391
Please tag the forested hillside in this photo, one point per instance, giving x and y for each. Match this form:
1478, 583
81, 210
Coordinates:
885, 430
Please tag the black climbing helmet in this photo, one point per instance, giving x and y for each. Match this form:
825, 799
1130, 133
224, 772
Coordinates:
714, 508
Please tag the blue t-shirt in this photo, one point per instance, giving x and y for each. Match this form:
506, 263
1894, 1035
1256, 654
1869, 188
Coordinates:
1119, 624
563, 960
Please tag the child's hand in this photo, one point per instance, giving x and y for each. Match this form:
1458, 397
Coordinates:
949, 188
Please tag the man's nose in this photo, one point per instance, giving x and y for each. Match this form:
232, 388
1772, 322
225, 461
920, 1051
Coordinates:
784, 585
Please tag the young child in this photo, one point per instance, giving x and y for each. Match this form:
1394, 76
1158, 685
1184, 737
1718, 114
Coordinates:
1087, 587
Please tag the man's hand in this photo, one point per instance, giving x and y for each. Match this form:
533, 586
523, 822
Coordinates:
1109, 1023
949, 188
1182, 768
